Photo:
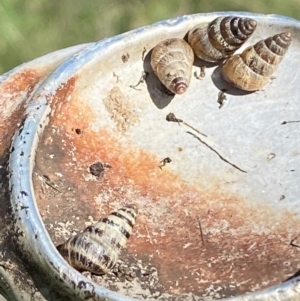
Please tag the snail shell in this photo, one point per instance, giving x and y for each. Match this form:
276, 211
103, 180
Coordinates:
172, 62
220, 38
97, 248
252, 69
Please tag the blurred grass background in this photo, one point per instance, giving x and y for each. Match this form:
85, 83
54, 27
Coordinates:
31, 28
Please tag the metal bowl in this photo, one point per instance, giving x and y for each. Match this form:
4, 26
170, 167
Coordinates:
219, 213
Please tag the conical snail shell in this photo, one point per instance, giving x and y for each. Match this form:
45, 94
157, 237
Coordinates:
252, 69
172, 62
97, 248
220, 38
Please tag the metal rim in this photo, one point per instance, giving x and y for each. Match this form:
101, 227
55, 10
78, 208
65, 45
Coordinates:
35, 240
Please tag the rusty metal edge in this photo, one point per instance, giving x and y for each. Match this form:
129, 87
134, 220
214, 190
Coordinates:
47, 57
35, 240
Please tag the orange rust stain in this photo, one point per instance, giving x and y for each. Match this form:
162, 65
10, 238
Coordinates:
62, 95
8, 128
230, 250
130, 164
11, 89
134, 166
18, 83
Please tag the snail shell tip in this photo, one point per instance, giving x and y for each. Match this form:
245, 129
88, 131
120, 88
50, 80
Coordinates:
252, 22
219, 39
172, 62
180, 88
179, 85
252, 69
287, 36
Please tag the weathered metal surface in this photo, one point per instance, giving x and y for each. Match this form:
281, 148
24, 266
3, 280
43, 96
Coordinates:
207, 229
16, 90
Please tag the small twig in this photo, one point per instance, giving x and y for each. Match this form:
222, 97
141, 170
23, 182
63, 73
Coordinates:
295, 121
293, 244
143, 53
201, 74
141, 81
173, 118
125, 57
50, 183
194, 129
201, 232
220, 156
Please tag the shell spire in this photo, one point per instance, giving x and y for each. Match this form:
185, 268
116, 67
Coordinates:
252, 69
218, 40
172, 62
97, 248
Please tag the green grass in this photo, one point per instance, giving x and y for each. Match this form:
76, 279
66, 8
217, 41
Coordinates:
31, 28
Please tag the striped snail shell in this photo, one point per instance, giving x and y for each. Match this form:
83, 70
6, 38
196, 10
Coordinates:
97, 248
252, 69
172, 62
220, 38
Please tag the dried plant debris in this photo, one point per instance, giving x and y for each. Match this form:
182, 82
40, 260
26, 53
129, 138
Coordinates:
121, 109
295, 242
51, 184
97, 169
141, 81
221, 98
282, 197
164, 162
132, 277
201, 231
220, 156
138, 278
125, 57
201, 75
293, 121
116, 76
144, 53
172, 118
